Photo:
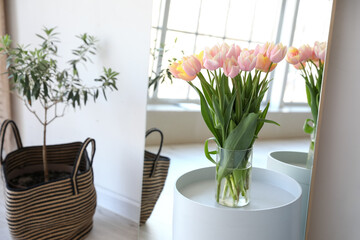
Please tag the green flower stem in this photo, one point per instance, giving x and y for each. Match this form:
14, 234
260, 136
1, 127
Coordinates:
238, 109
310, 157
226, 188
230, 184
234, 187
242, 184
218, 191
235, 191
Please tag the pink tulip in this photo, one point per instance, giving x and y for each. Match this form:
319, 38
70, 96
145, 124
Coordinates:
214, 57
262, 49
305, 52
200, 57
276, 53
314, 59
224, 48
210, 57
320, 50
191, 65
263, 63
174, 68
299, 66
186, 69
293, 55
270, 46
234, 51
247, 60
231, 67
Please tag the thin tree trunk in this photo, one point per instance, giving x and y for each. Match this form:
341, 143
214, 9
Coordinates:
46, 172
5, 103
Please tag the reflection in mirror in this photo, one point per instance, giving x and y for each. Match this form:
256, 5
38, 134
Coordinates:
173, 107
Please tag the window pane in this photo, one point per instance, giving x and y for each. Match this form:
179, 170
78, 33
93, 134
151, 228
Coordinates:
205, 41
308, 30
157, 13
179, 43
241, 16
265, 23
154, 48
213, 17
311, 29
184, 15
177, 90
193, 95
154, 55
185, 43
295, 87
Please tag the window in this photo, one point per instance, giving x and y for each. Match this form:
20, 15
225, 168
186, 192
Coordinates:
184, 27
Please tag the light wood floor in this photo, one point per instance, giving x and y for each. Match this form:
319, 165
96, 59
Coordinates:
107, 225
185, 158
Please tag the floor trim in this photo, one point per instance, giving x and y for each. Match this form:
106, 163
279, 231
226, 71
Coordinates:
118, 204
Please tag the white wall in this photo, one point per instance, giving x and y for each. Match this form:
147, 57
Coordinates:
334, 203
118, 125
190, 126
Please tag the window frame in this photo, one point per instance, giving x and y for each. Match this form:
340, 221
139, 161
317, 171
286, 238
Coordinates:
277, 101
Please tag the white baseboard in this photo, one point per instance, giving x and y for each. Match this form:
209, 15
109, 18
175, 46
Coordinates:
118, 204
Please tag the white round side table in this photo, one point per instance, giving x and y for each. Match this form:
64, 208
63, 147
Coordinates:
274, 211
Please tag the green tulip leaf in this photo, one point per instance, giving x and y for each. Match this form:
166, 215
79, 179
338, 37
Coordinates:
309, 126
209, 153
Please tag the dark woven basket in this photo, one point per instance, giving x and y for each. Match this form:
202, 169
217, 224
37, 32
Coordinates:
154, 176
57, 209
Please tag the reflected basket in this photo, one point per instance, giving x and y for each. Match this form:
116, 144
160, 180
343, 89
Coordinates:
154, 176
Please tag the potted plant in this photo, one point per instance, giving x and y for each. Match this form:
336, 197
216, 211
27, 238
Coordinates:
231, 92
50, 189
298, 165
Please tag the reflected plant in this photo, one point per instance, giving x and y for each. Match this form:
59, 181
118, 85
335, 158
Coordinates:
310, 62
159, 75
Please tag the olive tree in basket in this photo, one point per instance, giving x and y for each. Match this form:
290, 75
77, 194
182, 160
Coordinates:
35, 75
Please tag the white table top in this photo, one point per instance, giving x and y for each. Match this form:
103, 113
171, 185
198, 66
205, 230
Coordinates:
268, 189
274, 208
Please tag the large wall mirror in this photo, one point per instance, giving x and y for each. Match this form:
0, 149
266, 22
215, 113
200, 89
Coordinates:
331, 216
186, 27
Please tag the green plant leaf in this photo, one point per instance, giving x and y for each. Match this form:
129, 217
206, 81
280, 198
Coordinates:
206, 114
313, 106
242, 136
227, 115
308, 95
206, 150
309, 126
218, 111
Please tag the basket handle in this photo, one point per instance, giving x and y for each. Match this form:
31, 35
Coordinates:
78, 160
148, 132
4, 126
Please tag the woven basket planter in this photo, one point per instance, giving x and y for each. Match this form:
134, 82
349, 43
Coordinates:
57, 209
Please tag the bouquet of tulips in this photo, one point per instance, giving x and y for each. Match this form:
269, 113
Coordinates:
233, 84
310, 61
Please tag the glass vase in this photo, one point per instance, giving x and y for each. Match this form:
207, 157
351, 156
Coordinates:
310, 157
233, 177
